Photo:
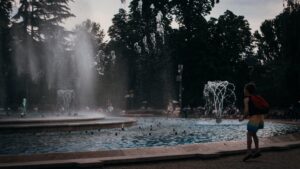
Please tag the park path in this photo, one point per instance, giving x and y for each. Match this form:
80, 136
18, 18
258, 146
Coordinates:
286, 159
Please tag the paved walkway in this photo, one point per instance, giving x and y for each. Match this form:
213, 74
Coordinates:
287, 159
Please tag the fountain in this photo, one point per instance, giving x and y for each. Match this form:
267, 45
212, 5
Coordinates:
148, 132
140, 6
72, 77
71, 66
65, 99
159, 26
24, 105
218, 96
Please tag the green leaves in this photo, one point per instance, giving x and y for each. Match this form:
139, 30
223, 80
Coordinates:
42, 18
278, 48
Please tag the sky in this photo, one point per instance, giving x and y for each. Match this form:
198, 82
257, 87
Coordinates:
102, 11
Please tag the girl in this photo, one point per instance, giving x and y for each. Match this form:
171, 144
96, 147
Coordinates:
256, 121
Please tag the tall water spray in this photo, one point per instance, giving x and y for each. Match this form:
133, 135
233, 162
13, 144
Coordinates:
160, 31
66, 62
83, 60
159, 26
153, 40
140, 6
145, 44
65, 99
218, 96
137, 47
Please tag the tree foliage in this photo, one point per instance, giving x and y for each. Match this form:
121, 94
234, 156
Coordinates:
144, 50
278, 49
5, 50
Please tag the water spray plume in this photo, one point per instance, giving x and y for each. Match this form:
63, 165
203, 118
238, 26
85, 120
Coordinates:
218, 96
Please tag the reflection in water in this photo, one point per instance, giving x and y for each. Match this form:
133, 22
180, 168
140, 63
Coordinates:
164, 132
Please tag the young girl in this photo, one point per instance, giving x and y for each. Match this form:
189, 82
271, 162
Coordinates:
256, 121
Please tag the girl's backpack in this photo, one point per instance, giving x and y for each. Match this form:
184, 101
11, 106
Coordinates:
261, 105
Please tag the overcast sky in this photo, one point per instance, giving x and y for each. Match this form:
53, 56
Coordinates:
102, 11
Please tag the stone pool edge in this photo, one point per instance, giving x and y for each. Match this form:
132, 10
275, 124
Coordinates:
74, 124
139, 155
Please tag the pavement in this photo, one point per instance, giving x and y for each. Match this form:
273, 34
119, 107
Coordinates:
286, 159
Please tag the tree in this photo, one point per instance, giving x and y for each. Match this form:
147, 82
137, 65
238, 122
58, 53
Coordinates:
153, 49
191, 46
278, 48
234, 57
143, 39
5, 54
35, 22
42, 18
118, 30
231, 33
5, 10
190, 14
95, 32
122, 73
36, 25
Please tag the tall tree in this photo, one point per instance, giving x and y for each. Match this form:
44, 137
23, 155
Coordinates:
191, 47
149, 23
42, 18
234, 57
190, 14
36, 25
278, 48
123, 72
5, 48
154, 49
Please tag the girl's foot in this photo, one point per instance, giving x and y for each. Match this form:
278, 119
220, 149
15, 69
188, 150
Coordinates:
256, 154
247, 157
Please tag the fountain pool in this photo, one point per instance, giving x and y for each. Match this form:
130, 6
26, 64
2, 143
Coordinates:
149, 132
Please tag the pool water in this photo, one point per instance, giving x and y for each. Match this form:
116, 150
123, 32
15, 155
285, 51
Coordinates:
148, 132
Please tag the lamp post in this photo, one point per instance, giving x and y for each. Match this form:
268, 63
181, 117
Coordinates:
179, 79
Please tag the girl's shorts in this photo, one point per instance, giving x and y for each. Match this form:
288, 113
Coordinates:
255, 123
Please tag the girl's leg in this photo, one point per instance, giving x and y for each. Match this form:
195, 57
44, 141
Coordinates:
256, 141
249, 140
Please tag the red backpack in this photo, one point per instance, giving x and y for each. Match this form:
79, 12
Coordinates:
260, 104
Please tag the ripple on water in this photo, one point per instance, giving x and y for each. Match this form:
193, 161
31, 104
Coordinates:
164, 132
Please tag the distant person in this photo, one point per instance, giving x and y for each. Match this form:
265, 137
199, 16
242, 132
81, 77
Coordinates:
170, 108
254, 108
186, 111
291, 113
110, 108
297, 110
